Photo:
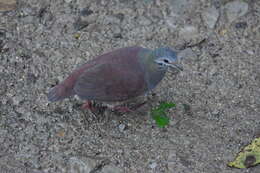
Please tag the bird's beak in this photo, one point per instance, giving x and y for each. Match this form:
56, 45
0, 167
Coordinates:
176, 66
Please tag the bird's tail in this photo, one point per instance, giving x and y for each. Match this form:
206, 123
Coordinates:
59, 92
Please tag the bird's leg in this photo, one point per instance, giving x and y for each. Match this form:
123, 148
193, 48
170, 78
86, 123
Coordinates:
134, 107
121, 109
126, 109
87, 105
95, 108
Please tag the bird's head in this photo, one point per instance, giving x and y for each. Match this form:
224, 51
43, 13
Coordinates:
165, 57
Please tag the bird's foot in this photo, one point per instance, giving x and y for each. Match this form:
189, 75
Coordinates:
127, 109
94, 107
87, 105
134, 107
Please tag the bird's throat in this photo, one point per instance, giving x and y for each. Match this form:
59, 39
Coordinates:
153, 74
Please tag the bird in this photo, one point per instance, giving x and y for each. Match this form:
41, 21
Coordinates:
117, 76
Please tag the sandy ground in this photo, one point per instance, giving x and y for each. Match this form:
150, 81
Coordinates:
217, 94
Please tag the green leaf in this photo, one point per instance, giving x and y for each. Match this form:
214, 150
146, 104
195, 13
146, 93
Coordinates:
159, 114
161, 121
166, 105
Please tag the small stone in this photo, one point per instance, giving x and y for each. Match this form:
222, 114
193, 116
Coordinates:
235, 9
210, 17
121, 127
77, 36
61, 133
86, 12
153, 165
250, 52
241, 25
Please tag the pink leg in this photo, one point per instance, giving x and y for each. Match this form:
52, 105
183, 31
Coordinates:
138, 105
94, 107
87, 105
122, 109
125, 109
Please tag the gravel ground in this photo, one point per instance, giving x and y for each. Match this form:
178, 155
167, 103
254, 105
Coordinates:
217, 94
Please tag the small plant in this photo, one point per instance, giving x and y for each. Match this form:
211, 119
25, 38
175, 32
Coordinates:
159, 114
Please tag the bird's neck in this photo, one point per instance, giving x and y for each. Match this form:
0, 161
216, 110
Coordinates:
153, 75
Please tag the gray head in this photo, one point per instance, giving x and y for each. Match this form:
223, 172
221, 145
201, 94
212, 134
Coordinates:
165, 57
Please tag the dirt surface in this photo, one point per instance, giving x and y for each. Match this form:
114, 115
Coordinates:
217, 94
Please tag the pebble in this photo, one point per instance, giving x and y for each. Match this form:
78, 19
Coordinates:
241, 25
153, 165
86, 12
250, 52
235, 9
210, 17
121, 127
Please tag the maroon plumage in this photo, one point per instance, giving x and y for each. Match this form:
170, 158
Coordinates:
114, 76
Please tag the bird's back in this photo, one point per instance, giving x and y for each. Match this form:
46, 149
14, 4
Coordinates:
113, 76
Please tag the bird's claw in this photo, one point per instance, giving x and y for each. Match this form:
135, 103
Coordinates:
94, 107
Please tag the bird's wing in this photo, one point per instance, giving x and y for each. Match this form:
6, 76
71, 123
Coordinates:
111, 82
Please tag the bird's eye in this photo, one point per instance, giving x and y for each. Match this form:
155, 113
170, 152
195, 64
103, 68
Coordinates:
166, 60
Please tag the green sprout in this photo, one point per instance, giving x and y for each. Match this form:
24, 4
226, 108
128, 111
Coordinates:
159, 114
